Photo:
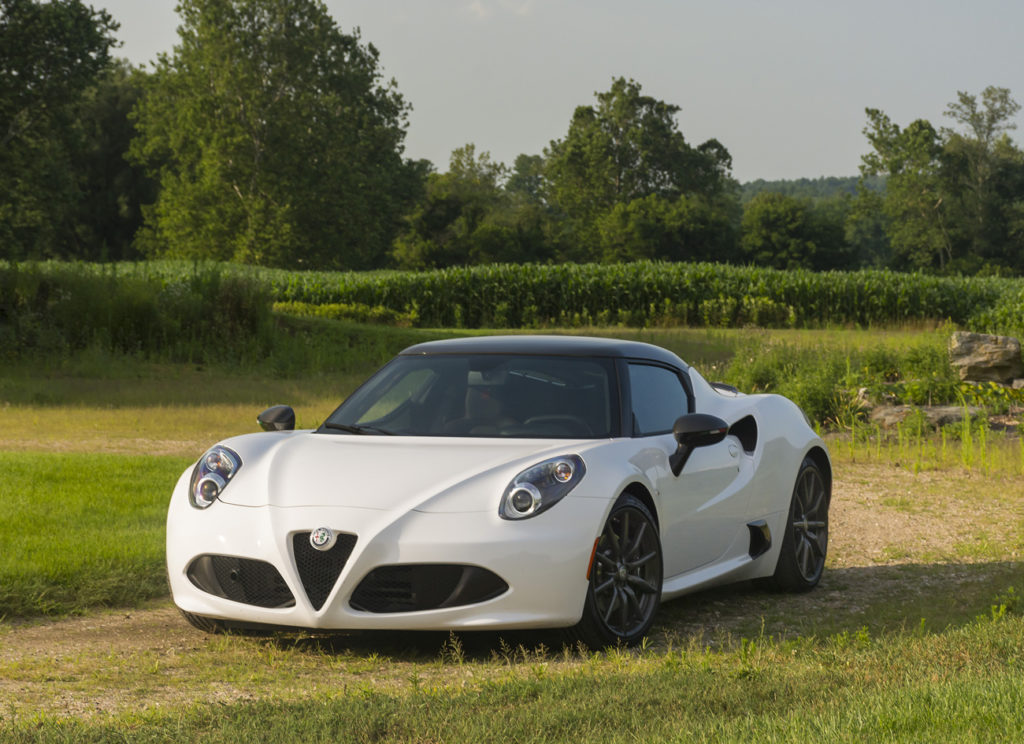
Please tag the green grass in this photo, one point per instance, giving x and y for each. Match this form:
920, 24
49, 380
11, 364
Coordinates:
962, 685
82, 530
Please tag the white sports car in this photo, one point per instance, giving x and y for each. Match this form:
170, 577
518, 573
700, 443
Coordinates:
503, 482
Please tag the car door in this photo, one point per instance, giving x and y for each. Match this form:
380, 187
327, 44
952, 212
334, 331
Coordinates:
698, 510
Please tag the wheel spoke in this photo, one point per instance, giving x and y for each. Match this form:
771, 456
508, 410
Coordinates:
804, 556
613, 538
602, 588
817, 544
636, 541
606, 561
644, 586
611, 607
632, 601
653, 555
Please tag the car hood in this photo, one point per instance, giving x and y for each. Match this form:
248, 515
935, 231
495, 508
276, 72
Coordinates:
381, 472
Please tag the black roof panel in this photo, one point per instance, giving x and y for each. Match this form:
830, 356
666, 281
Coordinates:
576, 346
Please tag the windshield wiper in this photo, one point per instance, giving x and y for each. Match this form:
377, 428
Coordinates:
357, 428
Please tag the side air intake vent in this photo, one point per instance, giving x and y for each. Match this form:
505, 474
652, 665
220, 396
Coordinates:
425, 587
760, 538
746, 431
240, 580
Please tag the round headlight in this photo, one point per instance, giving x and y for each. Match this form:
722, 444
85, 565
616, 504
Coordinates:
524, 499
220, 462
207, 490
562, 471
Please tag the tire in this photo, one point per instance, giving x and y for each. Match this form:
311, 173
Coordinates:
205, 624
625, 579
805, 541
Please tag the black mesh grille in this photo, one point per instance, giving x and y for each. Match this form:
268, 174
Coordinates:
241, 580
319, 569
425, 586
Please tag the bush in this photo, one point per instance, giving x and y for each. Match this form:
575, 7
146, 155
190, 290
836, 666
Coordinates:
197, 317
347, 311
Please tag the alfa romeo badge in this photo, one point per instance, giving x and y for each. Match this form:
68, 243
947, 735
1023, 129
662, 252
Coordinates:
323, 538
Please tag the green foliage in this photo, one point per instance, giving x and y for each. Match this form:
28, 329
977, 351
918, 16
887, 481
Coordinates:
50, 53
688, 228
346, 311
274, 140
532, 296
815, 189
953, 197
112, 190
1004, 317
466, 217
647, 292
198, 315
777, 232
626, 148
827, 383
991, 396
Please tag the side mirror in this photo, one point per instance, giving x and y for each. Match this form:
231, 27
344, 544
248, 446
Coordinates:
692, 431
277, 418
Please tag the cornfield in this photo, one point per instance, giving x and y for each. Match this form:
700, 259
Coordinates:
570, 295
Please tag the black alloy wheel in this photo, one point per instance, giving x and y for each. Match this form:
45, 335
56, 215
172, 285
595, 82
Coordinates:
805, 543
625, 578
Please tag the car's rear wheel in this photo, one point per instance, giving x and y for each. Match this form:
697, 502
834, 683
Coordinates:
805, 541
625, 578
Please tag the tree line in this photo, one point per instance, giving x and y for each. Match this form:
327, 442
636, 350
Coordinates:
269, 136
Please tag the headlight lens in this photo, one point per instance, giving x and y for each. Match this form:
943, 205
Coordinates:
212, 474
539, 488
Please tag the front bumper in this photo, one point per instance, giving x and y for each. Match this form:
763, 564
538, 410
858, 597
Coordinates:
543, 561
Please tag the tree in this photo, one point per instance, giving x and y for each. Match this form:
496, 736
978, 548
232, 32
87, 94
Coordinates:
113, 191
49, 54
778, 232
920, 226
468, 217
688, 228
625, 148
527, 178
274, 139
980, 160
953, 197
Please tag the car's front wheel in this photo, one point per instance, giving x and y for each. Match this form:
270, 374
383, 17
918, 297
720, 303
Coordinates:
625, 578
805, 541
203, 623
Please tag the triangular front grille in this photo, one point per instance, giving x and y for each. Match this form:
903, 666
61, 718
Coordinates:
319, 569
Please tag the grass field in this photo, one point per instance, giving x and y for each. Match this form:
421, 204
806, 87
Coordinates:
916, 634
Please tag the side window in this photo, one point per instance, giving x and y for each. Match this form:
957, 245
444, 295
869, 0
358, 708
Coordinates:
658, 396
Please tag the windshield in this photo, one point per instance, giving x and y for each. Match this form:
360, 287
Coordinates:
489, 395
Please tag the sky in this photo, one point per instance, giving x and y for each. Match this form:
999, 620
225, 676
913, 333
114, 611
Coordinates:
783, 84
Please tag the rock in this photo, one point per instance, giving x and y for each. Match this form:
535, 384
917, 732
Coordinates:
1018, 384
889, 417
981, 357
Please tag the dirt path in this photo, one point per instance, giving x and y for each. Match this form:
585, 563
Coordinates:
895, 536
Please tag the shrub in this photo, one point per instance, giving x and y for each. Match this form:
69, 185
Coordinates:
195, 317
